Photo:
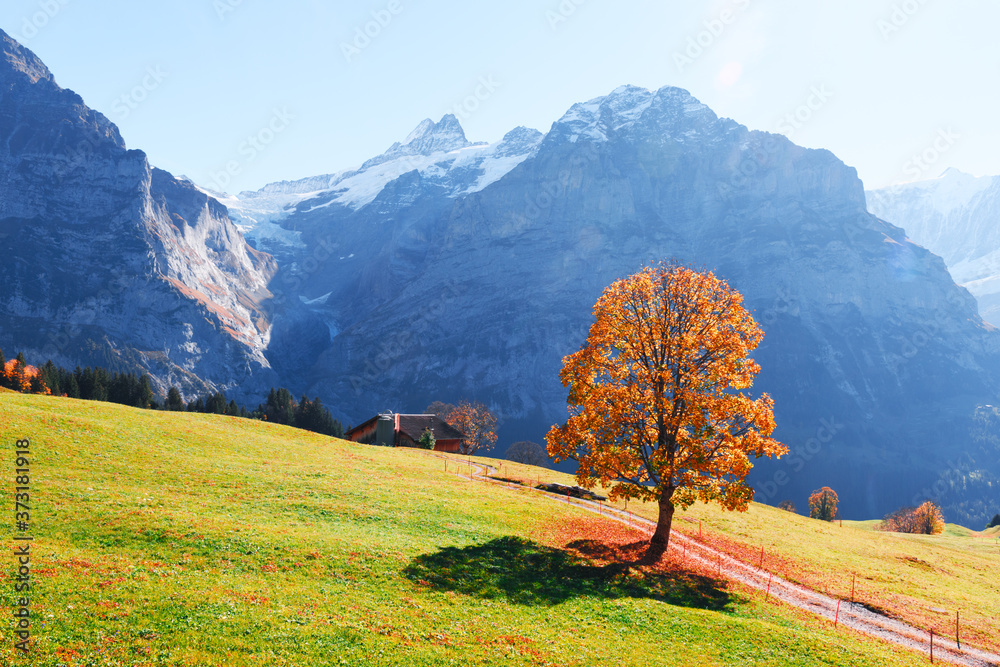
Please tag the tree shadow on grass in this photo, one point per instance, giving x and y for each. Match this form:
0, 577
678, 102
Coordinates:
523, 572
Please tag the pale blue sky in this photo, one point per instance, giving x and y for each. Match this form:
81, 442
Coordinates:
188, 81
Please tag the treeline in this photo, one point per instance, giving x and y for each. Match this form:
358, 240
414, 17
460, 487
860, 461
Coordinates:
98, 384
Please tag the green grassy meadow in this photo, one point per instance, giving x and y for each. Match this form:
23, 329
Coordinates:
922, 579
181, 539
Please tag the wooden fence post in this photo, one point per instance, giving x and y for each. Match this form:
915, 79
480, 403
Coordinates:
958, 639
932, 646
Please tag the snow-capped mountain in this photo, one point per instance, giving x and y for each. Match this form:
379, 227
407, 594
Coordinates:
439, 152
418, 282
956, 216
109, 261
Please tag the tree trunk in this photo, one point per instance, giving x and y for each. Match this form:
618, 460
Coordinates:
661, 537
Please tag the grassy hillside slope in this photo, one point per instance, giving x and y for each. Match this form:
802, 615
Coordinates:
921, 579
176, 539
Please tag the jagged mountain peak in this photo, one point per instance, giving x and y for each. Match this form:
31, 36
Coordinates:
632, 108
953, 172
21, 59
421, 130
426, 139
519, 141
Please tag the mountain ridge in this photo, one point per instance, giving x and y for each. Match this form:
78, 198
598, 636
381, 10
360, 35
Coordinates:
105, 249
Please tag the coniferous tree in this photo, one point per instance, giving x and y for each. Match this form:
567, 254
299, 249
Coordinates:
280, 407
51, 378
147, 398
36, 385
16, 378
70, 385
174, 400
4, 381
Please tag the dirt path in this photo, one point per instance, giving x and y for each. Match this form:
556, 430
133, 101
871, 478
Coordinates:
853, 616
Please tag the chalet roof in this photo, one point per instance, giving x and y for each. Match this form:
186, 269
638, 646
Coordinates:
415, 425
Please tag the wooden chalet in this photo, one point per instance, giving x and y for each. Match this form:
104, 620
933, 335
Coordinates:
395, 430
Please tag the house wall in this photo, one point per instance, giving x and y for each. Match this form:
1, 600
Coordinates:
365, 433
450, 446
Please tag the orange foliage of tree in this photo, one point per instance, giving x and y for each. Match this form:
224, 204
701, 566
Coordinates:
823, 504
924, 520
656, 407
477, 423
24, 378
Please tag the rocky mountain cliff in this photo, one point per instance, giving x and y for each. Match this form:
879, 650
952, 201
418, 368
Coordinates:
409, 282
109, 261
956, 216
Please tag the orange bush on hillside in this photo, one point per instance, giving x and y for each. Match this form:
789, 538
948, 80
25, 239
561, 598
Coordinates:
24, 378
924, 520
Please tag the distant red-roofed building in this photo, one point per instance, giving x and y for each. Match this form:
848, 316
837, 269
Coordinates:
396, 430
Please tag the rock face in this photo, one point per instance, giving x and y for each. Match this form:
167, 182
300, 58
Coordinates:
108, 261
956, 216
431, 287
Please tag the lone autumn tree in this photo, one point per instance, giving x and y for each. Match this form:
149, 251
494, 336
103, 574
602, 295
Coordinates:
823, 504
924, 520
477, 423
655, 396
